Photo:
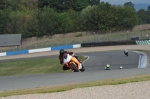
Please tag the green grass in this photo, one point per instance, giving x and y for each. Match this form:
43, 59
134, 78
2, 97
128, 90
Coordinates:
32, 66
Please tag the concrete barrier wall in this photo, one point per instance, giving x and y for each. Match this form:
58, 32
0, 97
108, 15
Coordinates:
17, 52
3, 54
40, 50
61, 47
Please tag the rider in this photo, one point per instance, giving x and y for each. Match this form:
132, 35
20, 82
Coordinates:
107, 67
126, 52
61, 53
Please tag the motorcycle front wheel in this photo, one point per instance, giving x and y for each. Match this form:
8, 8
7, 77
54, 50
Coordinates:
75, 68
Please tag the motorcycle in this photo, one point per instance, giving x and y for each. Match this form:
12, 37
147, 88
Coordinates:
126, 52
72, 63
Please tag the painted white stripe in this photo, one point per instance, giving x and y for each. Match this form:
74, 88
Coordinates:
142, 59
3, 54
40, 50
86, 59
77, 46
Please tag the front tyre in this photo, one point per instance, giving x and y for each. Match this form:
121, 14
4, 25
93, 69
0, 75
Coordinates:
75, 68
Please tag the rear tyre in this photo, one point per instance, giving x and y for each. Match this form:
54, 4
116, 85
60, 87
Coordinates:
75, 68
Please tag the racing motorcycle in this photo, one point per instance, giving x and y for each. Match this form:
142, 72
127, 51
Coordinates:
126, 52
73, 63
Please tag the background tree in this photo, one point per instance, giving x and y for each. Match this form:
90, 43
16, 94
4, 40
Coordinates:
4, 4
80, 4
48, 17
130, 18
147, 17
94, 2
42, 3
64, 5
105, 17
129, 4
141, 16
148, 8
84, 17
48, 21
4, 20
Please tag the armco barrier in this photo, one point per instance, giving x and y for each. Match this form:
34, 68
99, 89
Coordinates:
40, 50
93, 44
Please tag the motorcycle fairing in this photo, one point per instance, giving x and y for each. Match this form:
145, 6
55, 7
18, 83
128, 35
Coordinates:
68, 58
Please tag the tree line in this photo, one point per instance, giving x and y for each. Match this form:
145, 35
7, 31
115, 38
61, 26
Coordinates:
48, 17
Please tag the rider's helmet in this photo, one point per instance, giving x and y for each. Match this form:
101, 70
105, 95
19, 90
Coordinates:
61, 51
126, 51
65, 56
107, 66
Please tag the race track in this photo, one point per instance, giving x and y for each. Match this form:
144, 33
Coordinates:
94, 71
98, 60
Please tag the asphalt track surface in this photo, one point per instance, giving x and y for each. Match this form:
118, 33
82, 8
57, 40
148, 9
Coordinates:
94, 71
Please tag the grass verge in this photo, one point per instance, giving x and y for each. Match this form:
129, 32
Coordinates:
61, 88
32, 66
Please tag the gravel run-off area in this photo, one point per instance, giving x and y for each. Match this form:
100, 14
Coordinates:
140, 90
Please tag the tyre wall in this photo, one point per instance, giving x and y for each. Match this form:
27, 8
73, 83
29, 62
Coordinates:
112, 43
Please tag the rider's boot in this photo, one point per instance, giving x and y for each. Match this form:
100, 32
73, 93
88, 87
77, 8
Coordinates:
80, 67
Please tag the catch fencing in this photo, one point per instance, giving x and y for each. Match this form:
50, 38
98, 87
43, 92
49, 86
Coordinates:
138, 33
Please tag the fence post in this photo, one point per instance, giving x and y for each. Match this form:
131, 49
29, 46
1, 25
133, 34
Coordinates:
107, 37
5, 46
141, 30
